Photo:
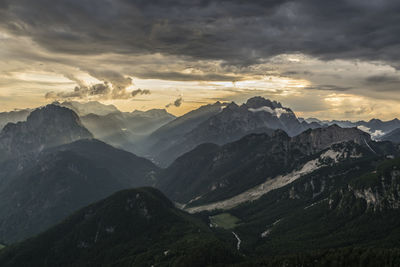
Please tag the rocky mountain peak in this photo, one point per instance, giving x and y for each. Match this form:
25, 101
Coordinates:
258, 102
232, 106
48, 126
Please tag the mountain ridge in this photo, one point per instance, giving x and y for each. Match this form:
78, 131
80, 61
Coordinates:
211, 173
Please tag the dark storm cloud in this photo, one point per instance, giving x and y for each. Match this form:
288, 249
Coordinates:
234, 31
176, 103
140, 92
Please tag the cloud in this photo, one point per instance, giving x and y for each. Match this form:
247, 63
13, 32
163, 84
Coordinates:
359, 111
329, 87
100, 90
277, 111
140, 92
383, 79
114, 86
374, 135
235, 31
176, 103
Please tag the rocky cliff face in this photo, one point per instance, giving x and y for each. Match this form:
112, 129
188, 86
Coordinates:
45, 127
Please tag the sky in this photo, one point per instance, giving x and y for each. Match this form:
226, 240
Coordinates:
326, 59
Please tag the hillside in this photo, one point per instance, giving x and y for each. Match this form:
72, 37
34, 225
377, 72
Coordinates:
352, 204
212, 173
136, 227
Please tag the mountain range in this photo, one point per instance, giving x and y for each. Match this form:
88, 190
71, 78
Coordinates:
375, 127
126, 129
221, 125
212, 173
250, 184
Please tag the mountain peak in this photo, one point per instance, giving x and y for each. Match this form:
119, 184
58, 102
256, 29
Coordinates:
375, 121
258, 102
232, 106
48, 126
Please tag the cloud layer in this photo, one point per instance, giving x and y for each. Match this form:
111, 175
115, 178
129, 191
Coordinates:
321, 58
236, 31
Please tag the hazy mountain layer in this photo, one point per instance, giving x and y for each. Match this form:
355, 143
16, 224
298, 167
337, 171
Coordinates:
61, 180
13, 116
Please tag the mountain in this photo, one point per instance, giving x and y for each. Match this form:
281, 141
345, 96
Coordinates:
393, 136
172, 133
91, 107
13, 116
344, 213
49, 168
375, 127
146, 122
109, 128
126, 129
257, 115
212, 173
136, 227
352, 205
45, 127
59, 180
